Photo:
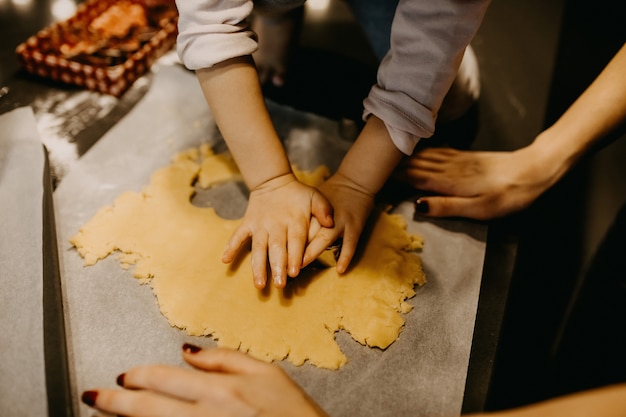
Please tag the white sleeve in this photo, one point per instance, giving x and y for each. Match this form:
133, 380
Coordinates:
212, 31
428, 39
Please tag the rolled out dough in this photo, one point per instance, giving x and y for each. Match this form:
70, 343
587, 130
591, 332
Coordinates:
176, 247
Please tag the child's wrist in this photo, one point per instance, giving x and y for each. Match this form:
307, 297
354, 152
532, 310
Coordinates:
273, 182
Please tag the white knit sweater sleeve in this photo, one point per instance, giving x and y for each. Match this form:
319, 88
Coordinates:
428, 39
213, 31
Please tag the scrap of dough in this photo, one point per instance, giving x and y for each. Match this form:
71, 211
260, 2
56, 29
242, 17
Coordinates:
177, 248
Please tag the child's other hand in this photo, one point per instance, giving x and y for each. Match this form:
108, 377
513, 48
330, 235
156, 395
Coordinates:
277, 220
352, 206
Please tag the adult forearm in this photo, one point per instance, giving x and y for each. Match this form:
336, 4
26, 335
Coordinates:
234, 95
598, 111
604, 402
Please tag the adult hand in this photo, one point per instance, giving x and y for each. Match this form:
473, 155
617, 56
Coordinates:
479, 185
224, 383
352, 206
277, 220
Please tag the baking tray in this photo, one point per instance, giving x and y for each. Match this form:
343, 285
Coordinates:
113, 323
55, 346
87, 53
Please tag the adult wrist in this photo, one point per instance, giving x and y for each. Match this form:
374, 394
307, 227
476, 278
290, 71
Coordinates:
558, 147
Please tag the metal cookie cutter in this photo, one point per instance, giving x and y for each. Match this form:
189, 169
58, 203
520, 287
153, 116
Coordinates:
329, 257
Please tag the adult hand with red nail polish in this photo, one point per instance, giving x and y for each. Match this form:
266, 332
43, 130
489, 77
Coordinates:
223, 382
480, 185
484, 185
226, 382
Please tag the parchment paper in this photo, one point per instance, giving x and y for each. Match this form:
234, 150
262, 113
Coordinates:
22, 371
114, 323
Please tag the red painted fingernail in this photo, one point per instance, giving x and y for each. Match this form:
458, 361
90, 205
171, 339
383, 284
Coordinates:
189, 348
89, 398
421, 206
120, 379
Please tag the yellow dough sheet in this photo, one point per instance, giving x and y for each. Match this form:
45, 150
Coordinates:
176, 248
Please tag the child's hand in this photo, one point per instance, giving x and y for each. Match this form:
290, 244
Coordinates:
352, 206
277, 220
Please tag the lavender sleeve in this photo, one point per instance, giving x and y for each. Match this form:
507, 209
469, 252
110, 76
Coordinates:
213, 31
428, 39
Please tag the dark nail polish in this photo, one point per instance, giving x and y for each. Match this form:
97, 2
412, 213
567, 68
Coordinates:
421, 206
120, 379
89, 398
189, 348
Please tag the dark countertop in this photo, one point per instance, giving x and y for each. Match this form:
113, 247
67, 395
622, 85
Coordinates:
74, 130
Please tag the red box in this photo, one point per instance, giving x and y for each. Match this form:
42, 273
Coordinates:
73, 52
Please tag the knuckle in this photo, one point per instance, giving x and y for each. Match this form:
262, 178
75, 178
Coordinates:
276, 246
259, 244
297, 231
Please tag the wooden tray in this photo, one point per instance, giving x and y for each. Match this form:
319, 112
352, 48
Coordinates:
73, 52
